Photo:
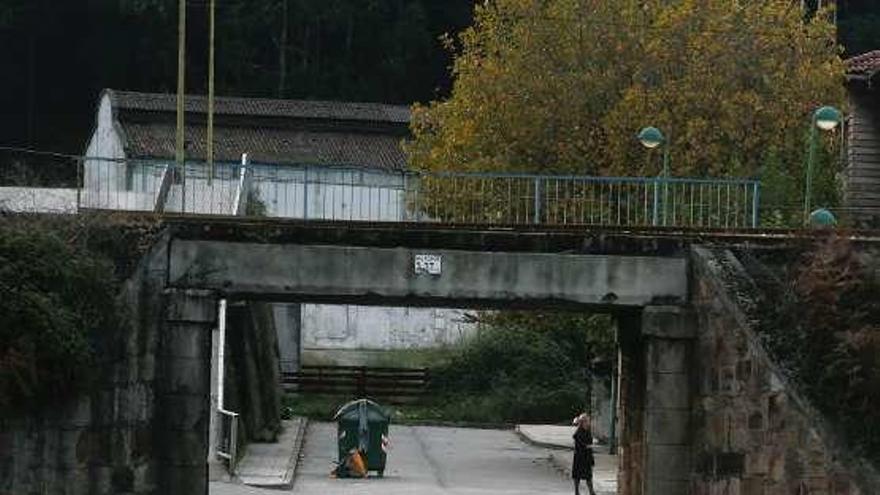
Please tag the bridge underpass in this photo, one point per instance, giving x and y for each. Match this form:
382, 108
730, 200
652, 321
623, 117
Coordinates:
747, 427
648, 294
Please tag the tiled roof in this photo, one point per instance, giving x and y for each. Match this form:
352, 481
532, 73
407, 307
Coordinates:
257, 107
269, 145
865, 65
270, 131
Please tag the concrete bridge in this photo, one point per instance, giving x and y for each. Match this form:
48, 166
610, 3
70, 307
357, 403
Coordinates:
701, 404
660, 284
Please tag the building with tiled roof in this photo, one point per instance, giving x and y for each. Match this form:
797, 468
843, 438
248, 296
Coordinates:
270, 131
332, 146
864, 67
862, 175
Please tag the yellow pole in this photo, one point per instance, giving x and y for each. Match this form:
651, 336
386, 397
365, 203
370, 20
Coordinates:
210, 144
179, 152
181, 79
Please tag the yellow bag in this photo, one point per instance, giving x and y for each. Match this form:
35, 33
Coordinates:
357, 465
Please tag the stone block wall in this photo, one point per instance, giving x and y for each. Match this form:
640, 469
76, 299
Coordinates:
103, 442
753, 433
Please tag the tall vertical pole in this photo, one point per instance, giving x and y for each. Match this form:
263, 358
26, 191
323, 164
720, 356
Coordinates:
665, 177
537, 218
179, 152
210, 143
808, 188
612, 424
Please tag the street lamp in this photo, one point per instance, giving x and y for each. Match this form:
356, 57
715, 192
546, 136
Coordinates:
651, 137
822, 218
825, 118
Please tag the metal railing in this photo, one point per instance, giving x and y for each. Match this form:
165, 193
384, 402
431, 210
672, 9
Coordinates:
369, 194
583, 200
227, 445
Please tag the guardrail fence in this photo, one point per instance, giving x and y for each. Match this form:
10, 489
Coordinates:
577, 200
227, 447
370, 194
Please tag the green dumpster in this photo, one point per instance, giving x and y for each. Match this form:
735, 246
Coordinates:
363, 424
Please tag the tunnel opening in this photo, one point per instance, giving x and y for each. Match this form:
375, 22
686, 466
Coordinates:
612, 386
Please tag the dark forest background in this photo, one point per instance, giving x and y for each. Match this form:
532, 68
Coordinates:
56, 55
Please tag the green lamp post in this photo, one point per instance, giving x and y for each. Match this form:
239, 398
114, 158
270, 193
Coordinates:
825, 118
651, 137
822, 218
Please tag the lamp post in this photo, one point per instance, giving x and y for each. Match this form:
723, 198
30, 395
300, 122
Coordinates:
651, 137
825, 118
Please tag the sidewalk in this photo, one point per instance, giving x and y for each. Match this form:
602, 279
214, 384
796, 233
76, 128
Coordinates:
560, 439
273, 464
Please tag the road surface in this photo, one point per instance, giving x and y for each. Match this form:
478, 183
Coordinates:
428, 461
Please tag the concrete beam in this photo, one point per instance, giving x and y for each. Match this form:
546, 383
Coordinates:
347, 274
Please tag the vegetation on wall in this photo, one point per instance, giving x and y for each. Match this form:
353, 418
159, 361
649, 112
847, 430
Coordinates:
825, 329
57, 308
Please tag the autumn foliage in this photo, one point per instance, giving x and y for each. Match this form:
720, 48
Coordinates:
838, 289
562, 86
825, 329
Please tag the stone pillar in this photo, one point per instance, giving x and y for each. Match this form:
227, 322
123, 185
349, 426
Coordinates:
668, 334
630, 405
184, 391
288, 322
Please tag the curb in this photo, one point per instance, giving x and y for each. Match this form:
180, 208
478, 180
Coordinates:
286, 481
538, 443
295, 453
453, 424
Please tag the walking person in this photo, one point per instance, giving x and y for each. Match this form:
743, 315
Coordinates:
582, 464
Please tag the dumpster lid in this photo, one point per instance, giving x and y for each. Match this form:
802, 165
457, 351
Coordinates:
355, 404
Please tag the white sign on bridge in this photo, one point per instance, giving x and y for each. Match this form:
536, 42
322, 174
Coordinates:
428, 264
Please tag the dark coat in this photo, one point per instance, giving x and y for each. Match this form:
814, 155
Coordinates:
582, 465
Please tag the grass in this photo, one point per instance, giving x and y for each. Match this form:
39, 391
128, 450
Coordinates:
461, 411
397, 358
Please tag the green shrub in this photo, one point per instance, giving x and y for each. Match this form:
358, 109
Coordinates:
522, 367
56, 298
825, 329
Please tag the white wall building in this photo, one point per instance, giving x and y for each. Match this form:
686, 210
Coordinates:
308, 159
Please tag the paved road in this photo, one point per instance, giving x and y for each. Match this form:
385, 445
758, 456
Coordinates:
429, 461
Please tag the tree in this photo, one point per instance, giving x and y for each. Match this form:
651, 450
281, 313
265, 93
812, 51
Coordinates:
59, 313
562, 86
